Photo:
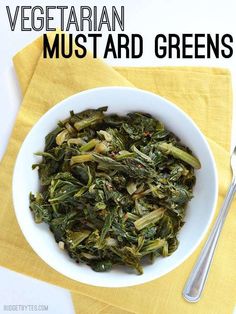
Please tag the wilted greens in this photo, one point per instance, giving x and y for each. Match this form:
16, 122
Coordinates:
114, 189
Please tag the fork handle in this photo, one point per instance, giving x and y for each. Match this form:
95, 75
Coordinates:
197, 278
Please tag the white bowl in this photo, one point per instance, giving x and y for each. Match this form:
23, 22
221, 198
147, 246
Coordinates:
119, 100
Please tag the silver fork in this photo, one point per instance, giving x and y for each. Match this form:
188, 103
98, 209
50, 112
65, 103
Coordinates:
197, 278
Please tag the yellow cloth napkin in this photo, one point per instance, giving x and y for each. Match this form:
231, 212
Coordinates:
205, 94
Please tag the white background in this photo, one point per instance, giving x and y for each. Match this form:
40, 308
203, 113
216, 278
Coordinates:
145, 17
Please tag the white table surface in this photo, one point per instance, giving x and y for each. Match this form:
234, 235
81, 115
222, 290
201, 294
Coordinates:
145, 17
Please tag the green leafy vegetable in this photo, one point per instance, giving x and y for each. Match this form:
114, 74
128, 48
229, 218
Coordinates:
151, 218
114, 189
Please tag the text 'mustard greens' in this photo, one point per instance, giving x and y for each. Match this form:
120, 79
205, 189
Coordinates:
101, 30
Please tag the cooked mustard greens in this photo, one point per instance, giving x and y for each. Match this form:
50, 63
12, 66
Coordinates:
114, 189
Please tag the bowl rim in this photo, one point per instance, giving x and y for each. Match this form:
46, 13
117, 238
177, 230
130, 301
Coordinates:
145, 280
